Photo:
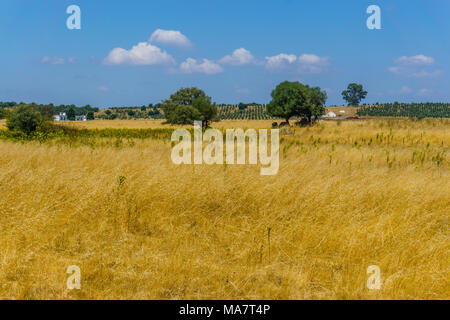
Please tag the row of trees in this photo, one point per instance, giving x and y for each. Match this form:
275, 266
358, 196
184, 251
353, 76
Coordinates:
252, 112
289, 99
143, 112
412, 110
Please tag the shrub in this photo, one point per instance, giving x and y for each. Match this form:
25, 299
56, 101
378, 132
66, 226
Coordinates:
25, 119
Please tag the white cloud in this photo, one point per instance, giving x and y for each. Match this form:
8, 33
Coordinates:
414, 66
239, 57
207, 67
57, 60
309, 59
305, 63
141, 54
280, 61
170, 37
419, 59
311, 63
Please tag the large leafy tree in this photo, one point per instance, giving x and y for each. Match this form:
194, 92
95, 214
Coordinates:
293, 99
188, 105
288, 100
354, 94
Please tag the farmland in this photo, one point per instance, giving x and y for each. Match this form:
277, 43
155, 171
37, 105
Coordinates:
349, 194
412, 110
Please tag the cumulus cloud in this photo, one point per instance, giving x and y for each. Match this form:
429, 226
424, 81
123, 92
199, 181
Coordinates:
305, 63
57, 61
170, 37
280, 61
141, 54
206, 66
239, 57
415, 66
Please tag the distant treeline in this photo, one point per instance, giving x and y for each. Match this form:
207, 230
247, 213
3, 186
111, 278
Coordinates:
244, 111
133, 112
411, 110
50, 109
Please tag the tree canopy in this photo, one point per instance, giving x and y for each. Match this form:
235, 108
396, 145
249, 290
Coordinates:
293, 99
188, 105
354, 94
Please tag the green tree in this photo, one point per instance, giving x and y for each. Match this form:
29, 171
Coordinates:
185, 115
207, 110
288, 100
2, 113
314, 106
186, 96
354, 94
90, 115
71, 114
188, 105
293, 99
24, 118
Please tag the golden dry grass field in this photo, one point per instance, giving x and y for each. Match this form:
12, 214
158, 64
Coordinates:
348, 194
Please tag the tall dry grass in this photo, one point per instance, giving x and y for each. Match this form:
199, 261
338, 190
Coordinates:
347, 195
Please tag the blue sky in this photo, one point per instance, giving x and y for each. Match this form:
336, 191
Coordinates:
163, 45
